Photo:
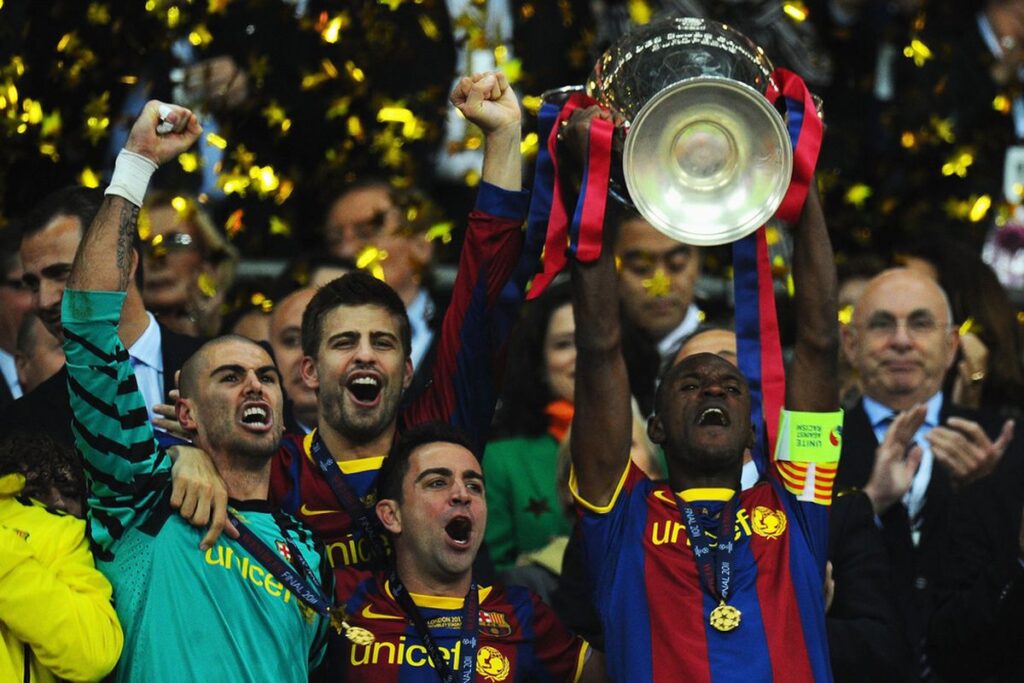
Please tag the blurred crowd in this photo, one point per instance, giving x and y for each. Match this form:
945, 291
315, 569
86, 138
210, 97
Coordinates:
330, 147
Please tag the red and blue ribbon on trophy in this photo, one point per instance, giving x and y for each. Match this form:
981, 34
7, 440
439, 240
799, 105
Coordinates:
554, 235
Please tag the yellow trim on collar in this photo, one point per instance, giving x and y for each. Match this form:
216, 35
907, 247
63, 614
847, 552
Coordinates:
440, 601
691, 495
356, 466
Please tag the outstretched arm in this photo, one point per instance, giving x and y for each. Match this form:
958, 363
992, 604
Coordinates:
124, 466
602, 423
466, 376
813, 381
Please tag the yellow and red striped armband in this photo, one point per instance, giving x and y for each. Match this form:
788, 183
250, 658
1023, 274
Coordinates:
807, 453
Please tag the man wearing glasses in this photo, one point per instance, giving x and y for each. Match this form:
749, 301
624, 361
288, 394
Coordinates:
904, 443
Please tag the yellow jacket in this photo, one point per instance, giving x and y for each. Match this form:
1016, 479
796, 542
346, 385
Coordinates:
52, 597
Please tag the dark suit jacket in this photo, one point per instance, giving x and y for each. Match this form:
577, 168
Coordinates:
977, 628
47, 409
914, 570
6, 398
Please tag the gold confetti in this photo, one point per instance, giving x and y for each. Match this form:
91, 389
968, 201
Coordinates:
857, 195
797, 11
279, 226
189, 162
980, 208
440, 231
371, 259
639, 11
234, 223
429, 28
216, 140
943, 128
658, 285
917, 51
1002, 104
88, 178
200, 36
846, 314
98, 13
354, 72
959, 162
970, 325
529, 145
331, 32
207, 285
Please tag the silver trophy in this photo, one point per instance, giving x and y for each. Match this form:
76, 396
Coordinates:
707, 158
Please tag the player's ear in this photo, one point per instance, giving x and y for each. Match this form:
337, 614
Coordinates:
310, 376
390, 515
656, 429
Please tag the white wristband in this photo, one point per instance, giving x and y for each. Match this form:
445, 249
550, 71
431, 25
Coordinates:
131, 176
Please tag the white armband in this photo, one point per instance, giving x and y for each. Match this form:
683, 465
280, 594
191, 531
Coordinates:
131, 176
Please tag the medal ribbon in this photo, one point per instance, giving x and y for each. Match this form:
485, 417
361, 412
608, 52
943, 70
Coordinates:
540, 199
757, 325
470, 627
714, 565
349, 501
303, 583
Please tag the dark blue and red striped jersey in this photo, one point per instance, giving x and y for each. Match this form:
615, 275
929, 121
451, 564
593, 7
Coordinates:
462, 389
654, 610
519, 638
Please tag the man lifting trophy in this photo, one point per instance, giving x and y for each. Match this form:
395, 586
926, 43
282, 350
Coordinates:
693, 578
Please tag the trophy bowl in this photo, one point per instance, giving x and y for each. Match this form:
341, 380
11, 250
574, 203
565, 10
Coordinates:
707, 158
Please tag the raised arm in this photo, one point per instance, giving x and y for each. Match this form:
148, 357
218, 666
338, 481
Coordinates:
602, 422
812, 383
114, 226
124, 467
470, 360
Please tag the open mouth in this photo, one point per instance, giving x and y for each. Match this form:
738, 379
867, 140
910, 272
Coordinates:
713, 417
365, 389
459, 530
256, 417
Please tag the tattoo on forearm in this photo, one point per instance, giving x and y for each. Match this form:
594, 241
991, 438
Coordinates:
127, 222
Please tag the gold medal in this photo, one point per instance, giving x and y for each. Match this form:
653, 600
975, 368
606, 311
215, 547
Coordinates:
725, 617
359, 636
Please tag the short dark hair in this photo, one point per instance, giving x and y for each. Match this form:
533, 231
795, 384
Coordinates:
10, 240
396, 465
188, 380
73, 200
352, 289
46, 463
78, 202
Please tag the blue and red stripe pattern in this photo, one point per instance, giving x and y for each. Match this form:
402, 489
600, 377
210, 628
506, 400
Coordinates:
656, 614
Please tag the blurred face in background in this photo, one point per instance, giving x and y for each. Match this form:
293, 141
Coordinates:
560, 354
174, 258
657, 276
367, 218
286, 340
46, 258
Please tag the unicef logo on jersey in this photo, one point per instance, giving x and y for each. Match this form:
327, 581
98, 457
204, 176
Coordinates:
492, 665
767, 522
